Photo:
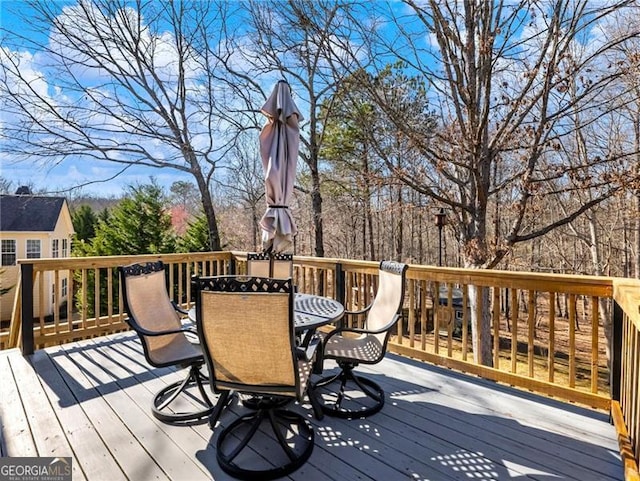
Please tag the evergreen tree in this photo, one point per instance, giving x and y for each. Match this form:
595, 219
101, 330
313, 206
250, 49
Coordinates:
84, 223
139, 224
196, 238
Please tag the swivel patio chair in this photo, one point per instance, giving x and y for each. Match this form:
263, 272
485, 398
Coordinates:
246, 327
156, 320
281, 265
352, 346
259, 264
270, 264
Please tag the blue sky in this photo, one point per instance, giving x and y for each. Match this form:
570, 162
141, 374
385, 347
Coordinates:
96, 176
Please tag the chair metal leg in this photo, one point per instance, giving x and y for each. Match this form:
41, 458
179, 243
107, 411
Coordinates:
163, 399
225, 398
346, 377
296, 441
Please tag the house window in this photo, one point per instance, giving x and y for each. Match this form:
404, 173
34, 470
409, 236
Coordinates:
55, 248
65, 247
8, 252
64, 288
33, 248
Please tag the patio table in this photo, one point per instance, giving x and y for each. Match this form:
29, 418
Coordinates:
309, 313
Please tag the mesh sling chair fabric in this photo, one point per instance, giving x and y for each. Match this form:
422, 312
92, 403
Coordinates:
270, 264
156, 320
281, 265
259, 264
353, 346
246, 327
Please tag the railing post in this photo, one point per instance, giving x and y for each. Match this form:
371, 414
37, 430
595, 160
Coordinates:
26, 272
340, 295
340, 288
615, 371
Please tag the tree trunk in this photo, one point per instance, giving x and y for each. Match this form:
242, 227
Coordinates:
480, 325
316, 206
209, 212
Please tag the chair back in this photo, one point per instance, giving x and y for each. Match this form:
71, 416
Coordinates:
149, 307
282, 266
259, 264
247, 333
267, 264
387, 303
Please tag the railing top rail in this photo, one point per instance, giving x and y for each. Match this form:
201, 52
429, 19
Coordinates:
571, 284
540, 281
537, 281
45, 264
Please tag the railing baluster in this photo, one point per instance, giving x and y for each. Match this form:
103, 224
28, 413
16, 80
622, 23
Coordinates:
70, 299
496, 327
412, 315
57, 292
465, 321
595, 357
96, 296
437, 310
41, 303
423, 314
551, 355
451, 318
110, 295
514, 330
572, 340
531, 324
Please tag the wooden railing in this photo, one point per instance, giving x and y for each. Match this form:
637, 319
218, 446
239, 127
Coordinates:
549, 333
94, 304
625, 380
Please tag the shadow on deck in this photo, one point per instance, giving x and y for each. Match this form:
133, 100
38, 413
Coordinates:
90, 400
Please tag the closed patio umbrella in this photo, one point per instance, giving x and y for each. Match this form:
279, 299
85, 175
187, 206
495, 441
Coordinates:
279, 143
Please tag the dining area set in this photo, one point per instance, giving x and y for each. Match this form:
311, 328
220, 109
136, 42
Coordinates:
260, 358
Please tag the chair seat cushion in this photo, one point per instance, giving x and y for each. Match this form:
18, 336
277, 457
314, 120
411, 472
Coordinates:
363, 348
173, 349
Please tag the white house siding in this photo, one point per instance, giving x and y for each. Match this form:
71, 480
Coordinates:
63, 230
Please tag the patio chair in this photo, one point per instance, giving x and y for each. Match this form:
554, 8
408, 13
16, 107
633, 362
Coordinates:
259, 264
270, 264
246, 327
156, 320
281, 265
352, 346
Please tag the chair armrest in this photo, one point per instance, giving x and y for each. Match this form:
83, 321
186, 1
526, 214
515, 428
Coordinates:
179, 309
307, 352
361, 311
357, 330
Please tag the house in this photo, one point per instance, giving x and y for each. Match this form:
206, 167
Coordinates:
31, 227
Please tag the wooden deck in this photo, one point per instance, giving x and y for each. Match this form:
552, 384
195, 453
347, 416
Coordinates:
90, 400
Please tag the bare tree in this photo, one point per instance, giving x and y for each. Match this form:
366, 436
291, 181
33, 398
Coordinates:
304, 42
246, 183
499, 74
130, 83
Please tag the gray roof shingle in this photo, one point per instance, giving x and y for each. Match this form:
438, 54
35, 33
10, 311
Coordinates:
29, 213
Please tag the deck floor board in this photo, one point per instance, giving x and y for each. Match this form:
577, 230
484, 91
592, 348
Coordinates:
90, 400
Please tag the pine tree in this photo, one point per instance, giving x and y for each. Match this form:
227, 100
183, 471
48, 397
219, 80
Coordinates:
139, 224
